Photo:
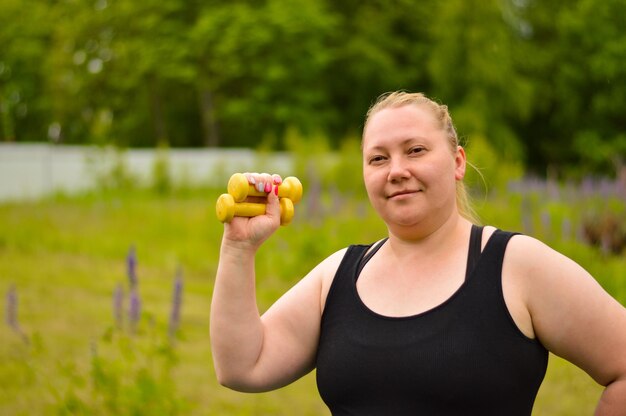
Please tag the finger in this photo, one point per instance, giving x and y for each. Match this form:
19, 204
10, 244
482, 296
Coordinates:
276, 179
266, 180
273, 207
251, 177
262, 182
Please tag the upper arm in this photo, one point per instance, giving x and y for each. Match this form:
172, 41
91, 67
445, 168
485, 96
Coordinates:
572, 315
291, 328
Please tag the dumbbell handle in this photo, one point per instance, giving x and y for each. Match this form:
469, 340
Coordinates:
226, 208
240, 189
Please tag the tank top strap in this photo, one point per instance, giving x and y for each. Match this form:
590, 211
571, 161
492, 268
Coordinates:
500, 239
475, 244
493, 254
343, 279
368, 255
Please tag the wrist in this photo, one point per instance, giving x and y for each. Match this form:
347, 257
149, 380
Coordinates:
238, 248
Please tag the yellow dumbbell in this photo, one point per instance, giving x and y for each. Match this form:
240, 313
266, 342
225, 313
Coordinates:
226, 208
240, 189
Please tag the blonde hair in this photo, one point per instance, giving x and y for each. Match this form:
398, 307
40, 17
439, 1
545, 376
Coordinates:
442, 115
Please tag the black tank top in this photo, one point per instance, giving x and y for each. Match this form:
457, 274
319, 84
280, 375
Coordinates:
463, 357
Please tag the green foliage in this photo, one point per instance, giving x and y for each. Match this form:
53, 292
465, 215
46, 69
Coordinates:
108, 166
65, 256
578, 106
25, 37
473, 71
378, 46
347, 173
311, 158
539, 81
126, 376
487, 170
161, 175
264, 62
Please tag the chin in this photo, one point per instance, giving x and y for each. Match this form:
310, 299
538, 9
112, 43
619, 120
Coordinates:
404, 221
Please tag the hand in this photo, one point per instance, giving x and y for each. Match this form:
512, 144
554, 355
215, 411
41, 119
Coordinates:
251, 232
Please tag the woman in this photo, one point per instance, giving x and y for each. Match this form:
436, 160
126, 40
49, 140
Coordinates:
440, 318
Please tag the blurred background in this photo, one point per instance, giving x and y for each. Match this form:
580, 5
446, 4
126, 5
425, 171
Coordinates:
541, 82
121, 121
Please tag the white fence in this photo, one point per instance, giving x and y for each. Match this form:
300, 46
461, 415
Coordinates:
30, 171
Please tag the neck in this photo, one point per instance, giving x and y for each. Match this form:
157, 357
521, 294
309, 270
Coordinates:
429, 241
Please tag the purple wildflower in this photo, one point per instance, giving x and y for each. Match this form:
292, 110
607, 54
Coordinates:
118, 302
527, 219
11, 313
587, 186
621, 182
553, 189
11, 309
607, 188
313, 206
134, 310
546, 221
177, 298
131, 266
566, 229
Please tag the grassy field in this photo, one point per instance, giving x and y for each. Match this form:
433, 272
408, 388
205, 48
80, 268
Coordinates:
64, 352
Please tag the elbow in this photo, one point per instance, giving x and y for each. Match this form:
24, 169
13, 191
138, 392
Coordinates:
236, 382
227, 379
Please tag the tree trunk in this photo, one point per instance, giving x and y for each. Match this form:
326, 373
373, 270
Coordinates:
156, 105
210, 129
7, 131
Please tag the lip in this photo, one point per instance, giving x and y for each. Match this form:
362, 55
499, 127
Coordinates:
402, 193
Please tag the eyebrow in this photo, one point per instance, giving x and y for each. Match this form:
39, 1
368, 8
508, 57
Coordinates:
403, 142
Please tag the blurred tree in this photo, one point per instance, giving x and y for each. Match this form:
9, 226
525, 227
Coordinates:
592, 80
119, 70
574, 53
472, 67
379, 46
73, 63
152, 72
24, 33
535, 79
260, 67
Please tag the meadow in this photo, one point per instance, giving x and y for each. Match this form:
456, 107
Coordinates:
106, 295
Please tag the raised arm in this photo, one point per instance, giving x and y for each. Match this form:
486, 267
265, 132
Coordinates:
253, 353
573, 316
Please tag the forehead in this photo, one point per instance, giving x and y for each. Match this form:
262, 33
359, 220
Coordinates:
395, 124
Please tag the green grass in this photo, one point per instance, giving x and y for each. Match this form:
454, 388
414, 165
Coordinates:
65, 257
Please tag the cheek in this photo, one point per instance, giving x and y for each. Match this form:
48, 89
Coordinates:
369, 175
374, 181
369, 182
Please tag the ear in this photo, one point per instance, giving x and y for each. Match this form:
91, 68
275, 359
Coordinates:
460, 161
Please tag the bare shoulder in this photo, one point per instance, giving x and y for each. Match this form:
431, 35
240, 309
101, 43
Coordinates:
519, 244
312, 289
522, 248
544, 274
327, 270
571, 314
331, 263
536, 260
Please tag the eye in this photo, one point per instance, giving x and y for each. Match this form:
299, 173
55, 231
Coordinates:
416, 150
376, 159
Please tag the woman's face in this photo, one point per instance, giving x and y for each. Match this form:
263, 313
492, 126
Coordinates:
409, 168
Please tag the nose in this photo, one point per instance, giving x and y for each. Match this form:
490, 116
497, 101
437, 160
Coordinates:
398, 170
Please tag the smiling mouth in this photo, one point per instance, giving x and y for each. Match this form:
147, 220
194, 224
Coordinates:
401, 193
